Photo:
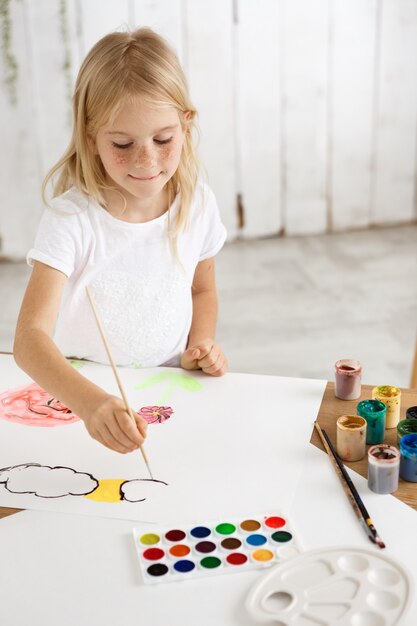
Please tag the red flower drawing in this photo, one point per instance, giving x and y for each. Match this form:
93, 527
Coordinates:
155, 414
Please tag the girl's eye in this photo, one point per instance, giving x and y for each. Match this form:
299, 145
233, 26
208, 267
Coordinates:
122, 146
161, 142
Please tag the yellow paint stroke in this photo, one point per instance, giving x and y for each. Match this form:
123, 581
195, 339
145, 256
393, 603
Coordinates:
108, 490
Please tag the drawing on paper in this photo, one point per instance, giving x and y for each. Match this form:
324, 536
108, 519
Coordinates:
33, 406
173, 380
155, 414
45, 481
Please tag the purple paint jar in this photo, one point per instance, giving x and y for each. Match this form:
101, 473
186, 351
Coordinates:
383, 468
348, 374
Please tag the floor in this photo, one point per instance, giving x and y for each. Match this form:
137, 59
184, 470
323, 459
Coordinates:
293, 306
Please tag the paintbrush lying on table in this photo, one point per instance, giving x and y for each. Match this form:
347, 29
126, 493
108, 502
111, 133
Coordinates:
349, 488
116, 375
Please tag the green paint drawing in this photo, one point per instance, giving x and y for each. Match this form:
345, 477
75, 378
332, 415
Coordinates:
76, 364
174, 381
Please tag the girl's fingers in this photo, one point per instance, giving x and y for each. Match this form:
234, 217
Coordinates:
210, 359
124, 429
115, 426
141, 424
218, 368
106, 438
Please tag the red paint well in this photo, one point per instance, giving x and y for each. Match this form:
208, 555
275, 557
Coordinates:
236, 558
275, 522
153, 554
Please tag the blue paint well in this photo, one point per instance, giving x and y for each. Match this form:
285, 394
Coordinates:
256, 540
199, 532
184, 566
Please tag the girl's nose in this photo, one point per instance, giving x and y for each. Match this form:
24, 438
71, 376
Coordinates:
144, 157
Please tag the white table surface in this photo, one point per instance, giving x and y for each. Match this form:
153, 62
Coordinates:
67, 570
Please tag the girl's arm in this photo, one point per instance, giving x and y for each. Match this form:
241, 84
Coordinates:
202, 350
105, 416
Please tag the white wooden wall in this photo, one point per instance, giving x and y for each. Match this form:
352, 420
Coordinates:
308, 108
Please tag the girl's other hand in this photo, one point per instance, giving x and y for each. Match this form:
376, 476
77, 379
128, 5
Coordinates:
111, 425
206, 355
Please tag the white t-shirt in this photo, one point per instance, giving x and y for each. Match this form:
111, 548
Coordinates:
142, 293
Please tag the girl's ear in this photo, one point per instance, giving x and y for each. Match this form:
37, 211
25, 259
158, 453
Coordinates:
186, 119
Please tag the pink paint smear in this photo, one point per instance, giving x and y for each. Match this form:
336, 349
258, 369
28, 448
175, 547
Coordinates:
32, 406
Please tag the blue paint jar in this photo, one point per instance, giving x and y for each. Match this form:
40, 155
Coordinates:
408, 463
374, 411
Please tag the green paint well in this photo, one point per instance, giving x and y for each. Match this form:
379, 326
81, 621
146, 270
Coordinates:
173, 380
210, 562
225, 529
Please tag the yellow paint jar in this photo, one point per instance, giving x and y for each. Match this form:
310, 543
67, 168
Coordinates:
351, 437
391, 397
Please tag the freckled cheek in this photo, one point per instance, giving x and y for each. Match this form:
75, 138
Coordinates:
118, 158
170, 154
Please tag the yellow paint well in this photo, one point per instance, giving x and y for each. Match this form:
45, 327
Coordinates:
150, 539
262, 555
108, 490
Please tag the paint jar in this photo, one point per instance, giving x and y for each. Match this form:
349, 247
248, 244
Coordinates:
406, 427
351, 437
408, 464
383, 468
411, 413
391, 397
348, 373
374, 412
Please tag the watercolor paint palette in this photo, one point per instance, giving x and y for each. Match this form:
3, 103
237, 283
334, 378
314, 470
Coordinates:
202, 549
343, 586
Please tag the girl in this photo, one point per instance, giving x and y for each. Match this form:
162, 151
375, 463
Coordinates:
131, 221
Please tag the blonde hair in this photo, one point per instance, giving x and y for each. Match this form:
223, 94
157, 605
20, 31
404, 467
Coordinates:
120, 65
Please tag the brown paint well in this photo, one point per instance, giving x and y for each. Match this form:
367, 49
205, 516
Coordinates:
250, 525
231, 543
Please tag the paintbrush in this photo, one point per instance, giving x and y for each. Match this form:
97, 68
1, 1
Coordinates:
349, 488
116, 375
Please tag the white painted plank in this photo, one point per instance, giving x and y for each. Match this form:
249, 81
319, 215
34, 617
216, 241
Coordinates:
351, 84
258, 108
51, 95
19, 172
210, 75
100, 17
397, 114
75, 44
305, 33
163, 16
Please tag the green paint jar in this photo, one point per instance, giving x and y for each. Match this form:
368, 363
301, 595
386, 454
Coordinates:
374, 412
406, 427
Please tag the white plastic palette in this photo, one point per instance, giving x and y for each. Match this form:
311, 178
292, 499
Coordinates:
333, 587
203, 549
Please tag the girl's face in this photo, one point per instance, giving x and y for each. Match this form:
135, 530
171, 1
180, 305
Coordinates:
141, 149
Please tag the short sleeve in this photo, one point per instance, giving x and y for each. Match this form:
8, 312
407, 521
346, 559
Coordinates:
215, 231
58, 238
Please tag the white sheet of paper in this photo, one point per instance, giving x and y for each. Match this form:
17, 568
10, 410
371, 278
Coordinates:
234, 446
67, 569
